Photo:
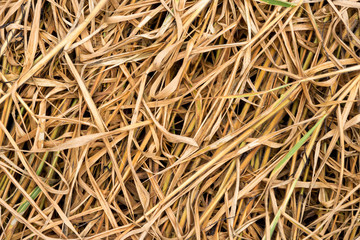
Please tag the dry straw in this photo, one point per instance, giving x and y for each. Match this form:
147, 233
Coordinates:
174, 119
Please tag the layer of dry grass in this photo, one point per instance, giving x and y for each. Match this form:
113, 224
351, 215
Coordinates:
207, 119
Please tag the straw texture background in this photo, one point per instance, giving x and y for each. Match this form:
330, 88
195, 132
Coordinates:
179, 119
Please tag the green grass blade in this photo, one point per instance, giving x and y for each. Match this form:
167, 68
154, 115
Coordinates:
279, 3
296, 147
282, 163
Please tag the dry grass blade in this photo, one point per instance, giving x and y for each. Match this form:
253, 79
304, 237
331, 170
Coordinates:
158, 119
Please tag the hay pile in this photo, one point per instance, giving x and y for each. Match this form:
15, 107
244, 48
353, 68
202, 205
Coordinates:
203, 119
